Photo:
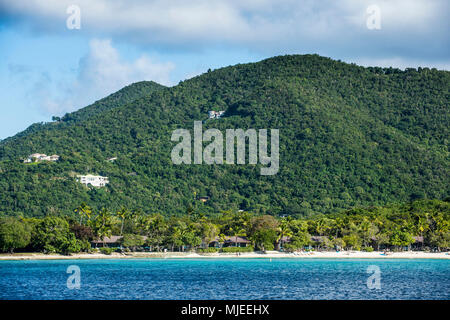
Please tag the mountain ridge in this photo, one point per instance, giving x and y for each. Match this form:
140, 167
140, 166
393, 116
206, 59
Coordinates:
349, 136
118, 98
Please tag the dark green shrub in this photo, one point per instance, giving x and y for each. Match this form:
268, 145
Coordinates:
207, 250
106, 250
237, 249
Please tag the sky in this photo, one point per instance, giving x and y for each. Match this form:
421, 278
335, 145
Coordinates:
57, 56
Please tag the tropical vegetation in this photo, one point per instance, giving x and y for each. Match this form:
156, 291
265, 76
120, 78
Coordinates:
396, 227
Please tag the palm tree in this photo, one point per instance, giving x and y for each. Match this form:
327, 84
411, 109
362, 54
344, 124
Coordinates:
176, 236
284, 230
122, 214
222, 239
208, 231
367, 230
83, 210
422, 225
322, 226
159, 229
102, 224
338, 226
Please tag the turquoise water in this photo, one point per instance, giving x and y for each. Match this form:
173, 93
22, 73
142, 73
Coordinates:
226, 279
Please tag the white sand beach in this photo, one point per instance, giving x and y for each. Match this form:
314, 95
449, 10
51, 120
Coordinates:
269, 255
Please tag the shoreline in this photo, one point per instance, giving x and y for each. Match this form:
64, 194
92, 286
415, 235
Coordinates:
246, 255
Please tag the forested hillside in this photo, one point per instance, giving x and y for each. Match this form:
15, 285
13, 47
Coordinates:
349, 136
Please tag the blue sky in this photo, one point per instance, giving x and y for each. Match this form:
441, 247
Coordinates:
47, 69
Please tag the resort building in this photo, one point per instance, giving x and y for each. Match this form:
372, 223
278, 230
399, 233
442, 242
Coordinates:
230, 242
215, 114
95, 181
110, 242
236, 242
37, 157
284, 240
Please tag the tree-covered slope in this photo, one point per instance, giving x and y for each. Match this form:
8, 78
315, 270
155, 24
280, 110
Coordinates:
121, 97
348, 136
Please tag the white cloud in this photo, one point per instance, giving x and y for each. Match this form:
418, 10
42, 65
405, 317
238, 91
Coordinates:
410, 29
172, 21
401, 63
100, 73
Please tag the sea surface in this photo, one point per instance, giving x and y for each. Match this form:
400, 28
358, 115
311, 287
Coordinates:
226, 279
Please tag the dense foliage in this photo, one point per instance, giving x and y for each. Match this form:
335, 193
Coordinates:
349, 136
395, 227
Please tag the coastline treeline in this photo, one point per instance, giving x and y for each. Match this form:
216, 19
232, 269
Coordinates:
423, 224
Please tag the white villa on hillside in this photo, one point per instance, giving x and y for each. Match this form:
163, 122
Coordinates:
36, 157
215, 114
96, 181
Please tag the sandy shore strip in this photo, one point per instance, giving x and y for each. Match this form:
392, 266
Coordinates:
267, 255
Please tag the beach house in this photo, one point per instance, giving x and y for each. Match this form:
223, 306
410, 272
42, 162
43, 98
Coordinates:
234, 241
110, 242
280, 244
114, 242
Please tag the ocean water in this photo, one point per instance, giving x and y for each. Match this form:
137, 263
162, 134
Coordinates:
226, 279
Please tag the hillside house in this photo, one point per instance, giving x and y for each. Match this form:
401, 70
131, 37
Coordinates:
96, 181
203, 199
215, 114
37, 157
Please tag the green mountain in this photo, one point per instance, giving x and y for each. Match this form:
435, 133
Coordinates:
349, 136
